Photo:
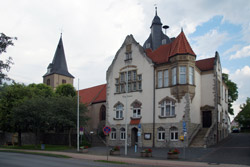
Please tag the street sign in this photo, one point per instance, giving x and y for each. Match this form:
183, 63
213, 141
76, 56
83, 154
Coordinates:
106, 130
138, 133
139, 126
81, 130
184, 127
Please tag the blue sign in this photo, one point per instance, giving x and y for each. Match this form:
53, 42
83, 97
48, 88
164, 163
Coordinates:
184, 126
139, 126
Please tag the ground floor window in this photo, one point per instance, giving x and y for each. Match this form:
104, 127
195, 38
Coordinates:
122, 134
161, 134
113, 134
173, 134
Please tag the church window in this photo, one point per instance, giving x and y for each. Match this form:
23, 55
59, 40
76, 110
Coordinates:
48, 82
64, 81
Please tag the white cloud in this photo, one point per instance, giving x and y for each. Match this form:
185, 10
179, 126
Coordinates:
244, 52
225, 70
206, 45
242, 78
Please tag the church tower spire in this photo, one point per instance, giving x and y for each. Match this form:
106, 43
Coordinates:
57, 71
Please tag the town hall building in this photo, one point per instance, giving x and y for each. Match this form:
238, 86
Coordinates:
159, 92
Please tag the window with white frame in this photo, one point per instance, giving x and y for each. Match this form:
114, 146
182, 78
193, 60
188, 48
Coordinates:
136, 108
134, 75
165, 78
174, 76
119, 111
122, 134
113, 134
167, 108
161, 134
173, 134
159, 79
191, 75
182, 75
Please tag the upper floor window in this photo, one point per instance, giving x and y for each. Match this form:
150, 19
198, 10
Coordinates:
167, 108
136, 109
128, 52
191, 75
64, 81
174, 76
119, 111
133, 79
182, 74
165, 78
159, 79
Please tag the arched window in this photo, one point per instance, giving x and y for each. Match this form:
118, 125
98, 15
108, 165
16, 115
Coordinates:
136, 109
118, 110
122, 134
173, 134
102, 113
161, 134
113, 134
167, 106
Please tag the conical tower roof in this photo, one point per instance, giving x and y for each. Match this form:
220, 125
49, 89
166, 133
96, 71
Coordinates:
59, 64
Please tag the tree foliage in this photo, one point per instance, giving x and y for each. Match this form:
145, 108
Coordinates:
243, 117
5, 41
35, 108
232, 92
66, 90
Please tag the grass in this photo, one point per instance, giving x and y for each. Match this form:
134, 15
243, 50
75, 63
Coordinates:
112, 162
37, 153
33, 147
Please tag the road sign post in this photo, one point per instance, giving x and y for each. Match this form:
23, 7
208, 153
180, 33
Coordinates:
106, 130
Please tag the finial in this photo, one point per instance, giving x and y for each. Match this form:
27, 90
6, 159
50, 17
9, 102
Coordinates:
181, 29
61, 32
155, 9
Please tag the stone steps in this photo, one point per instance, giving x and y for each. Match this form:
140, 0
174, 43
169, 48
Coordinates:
198, 141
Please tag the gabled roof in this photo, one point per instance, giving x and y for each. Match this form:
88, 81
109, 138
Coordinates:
59, 64
94, 94
205, 64
179, 46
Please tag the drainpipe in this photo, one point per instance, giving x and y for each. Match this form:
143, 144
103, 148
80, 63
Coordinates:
154, 109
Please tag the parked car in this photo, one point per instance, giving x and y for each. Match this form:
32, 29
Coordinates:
236, 130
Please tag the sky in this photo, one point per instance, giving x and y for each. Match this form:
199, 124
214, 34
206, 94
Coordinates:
94, 30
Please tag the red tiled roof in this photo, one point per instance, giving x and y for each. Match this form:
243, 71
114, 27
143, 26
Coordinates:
93, 94
205, 64
134, 121
179, 46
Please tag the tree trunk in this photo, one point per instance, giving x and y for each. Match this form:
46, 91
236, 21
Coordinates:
70, 130
19, 138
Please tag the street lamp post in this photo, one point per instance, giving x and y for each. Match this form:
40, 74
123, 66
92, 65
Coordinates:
78, 118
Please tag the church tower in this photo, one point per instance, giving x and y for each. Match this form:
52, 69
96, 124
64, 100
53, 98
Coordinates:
57, 71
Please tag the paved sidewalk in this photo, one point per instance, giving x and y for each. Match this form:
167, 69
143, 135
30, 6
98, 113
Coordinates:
154, 161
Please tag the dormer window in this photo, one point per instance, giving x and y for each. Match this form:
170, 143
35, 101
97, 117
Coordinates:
147, 45
164, 41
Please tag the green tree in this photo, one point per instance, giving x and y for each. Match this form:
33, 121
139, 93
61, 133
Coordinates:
66, 90
32, 115
232, 92
5, 41
243, 117
64, 114
41, 90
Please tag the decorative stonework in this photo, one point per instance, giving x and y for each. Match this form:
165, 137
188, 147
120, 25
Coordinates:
179, 91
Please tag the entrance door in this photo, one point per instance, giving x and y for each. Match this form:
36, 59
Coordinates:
207, 119
134, 137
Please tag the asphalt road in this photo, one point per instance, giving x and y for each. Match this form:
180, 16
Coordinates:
27, 160
234, 150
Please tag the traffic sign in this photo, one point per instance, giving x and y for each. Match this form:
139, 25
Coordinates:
184, 126
138, 133
106, 130
139, 126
